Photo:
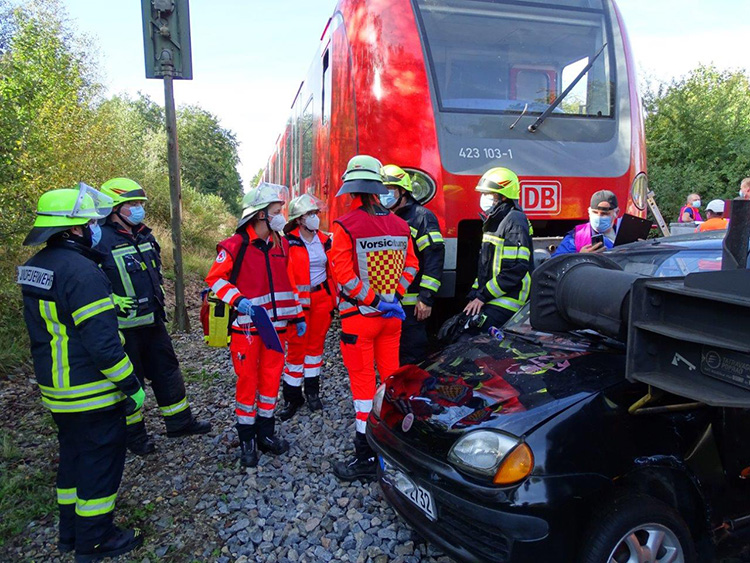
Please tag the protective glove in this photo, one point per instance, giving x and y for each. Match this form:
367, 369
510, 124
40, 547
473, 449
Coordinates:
135, 401
245, 307
391, 310
123, 304
301, 328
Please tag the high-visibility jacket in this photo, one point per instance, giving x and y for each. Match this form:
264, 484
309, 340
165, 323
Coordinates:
690, 210
430, 251
79, 361
133, 264
373, 259
263, 278
713, 224
299, 265
505, 260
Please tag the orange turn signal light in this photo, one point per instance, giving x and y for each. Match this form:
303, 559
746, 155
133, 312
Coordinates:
516, 466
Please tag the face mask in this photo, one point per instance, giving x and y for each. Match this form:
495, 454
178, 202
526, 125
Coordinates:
742, 194
389, 200
277, 222
486, 202
96, 234
600, 223
137, 215
696, 203
312, 222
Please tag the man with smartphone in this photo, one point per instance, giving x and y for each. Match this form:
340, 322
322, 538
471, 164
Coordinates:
599, 233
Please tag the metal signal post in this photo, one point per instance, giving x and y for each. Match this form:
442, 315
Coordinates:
166, 41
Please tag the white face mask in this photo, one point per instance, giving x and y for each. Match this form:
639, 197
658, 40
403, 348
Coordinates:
486, 202
312, 222
277, 222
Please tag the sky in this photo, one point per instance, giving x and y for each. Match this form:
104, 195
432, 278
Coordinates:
249, 56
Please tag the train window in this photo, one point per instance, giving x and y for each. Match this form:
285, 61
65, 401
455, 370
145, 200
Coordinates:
288, 156
307, 139
327, 87
500, 57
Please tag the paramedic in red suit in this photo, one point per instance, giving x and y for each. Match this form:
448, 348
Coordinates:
374, 264
311, 271
263, 280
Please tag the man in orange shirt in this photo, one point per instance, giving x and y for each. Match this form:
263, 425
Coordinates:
715, 221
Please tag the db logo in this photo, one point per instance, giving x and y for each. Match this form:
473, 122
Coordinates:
541, 197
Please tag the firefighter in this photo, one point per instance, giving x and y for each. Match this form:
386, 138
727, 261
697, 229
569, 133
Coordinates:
85, 377
133, 265
430, 250
262, 279
504, 270
311, 271
374, 264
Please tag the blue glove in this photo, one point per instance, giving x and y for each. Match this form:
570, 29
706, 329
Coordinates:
391, 310
245, 306
301, 328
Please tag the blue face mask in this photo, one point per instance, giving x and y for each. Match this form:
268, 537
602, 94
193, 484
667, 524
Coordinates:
388, 200
600, 223
137, 215
96, 234
697, 203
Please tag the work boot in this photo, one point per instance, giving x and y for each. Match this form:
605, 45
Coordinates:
66, 546
195, 426
249, 453
313, 402
267, 442
292, 401
362, 465
312, 390
142, 446
122, 541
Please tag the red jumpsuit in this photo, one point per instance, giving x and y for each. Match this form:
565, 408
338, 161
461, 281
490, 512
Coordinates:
263, 278
304, 356
373, 259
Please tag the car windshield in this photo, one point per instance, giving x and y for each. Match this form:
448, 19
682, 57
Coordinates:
502, 56
664, 261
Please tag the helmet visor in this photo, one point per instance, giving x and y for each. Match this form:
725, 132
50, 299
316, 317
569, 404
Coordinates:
90, 204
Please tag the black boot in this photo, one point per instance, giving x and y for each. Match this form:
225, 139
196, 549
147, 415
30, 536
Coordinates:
362, 465
312, 393
195, 426
121, 542
248, 445
292, 401
66, 546
267, 442
138, 440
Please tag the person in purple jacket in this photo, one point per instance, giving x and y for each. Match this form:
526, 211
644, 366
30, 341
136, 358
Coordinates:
599, 233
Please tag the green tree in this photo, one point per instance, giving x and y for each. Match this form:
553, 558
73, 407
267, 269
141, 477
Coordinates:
698, 136
257, 179
208, 155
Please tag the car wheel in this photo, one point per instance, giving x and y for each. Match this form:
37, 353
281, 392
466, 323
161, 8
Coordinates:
638, 529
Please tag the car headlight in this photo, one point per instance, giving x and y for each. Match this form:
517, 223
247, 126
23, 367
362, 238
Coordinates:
377, 400
491, 454
639, 190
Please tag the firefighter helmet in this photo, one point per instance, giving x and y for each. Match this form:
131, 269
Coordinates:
500, 181
122, 190
303, 204
59, 210
396, 176
363, 176
259, 198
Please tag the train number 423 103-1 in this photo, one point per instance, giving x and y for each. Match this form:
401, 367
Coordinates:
476, 152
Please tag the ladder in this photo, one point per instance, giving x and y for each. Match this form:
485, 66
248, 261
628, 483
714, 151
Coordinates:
657, 214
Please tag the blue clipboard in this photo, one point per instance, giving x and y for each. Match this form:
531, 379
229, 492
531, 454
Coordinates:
266, 330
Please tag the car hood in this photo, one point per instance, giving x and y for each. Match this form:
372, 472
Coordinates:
513, 385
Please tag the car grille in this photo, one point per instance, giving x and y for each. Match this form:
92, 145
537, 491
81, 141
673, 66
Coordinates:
483, 538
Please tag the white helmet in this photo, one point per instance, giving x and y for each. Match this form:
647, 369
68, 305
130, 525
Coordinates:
259, 198
303, 204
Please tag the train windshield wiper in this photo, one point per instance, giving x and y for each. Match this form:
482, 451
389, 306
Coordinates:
534, 126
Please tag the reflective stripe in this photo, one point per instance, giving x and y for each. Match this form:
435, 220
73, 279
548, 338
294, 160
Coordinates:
127, 283
351, 285
82, 405
409, 299
95, 507
360, 426
492, 239
288, 311
429, 283
436, 237
423, 242
265, 413
244, 407
219, 285
363, 406
248, 420
135, 321
294, 368
494, 288
266, 399
414, 232
277, 296
172, 410
302, 288
88, 311
134, 418
514, 304
410, 270
66, 496
231, 294
313, 359
58, 344
87, 389
304, 301
294, 381
312, 372
119, 371
516, 253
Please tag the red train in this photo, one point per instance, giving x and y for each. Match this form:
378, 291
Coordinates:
449, 88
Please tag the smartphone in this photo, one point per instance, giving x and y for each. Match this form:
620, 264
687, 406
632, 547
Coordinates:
597, 239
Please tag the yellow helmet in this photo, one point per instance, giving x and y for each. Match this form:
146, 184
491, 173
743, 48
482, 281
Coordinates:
396, 176
122, 190
500, 181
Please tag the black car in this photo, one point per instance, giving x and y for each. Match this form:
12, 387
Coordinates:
534, 447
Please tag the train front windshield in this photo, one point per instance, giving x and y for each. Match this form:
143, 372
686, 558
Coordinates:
496, 57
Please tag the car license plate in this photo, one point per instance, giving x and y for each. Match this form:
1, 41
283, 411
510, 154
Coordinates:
419, 496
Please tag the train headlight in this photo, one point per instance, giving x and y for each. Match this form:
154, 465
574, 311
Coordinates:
423, 187
639, 190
